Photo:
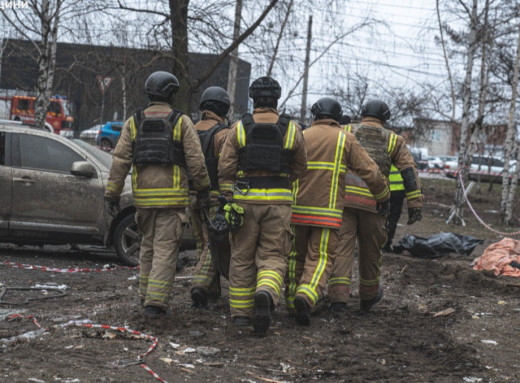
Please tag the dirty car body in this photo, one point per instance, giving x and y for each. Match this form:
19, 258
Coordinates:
51, 192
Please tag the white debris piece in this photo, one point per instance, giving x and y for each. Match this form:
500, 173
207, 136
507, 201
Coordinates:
25, 337
189, 350
471, 379
50, 287
488, 341
207, 351
175, 345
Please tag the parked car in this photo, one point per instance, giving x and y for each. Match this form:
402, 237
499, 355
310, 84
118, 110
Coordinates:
435, 162
485, 168
109, 134
422, 164
90, 135
51, 192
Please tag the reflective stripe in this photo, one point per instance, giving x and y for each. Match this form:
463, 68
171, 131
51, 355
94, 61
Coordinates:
272, 274
396, 181
357, 190
383, 194
291, 274
159, 192
157, 282
242, 290
111, 186
335, 175
242, 304
347, 128
391, 143
339, 281
320, 165
269, 283
310, 289
241, 135
225, 186
264, 195
133, 130
414, 194
372, 282
290, 136
177, 131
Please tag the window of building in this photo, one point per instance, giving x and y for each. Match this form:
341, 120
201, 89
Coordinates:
435, 135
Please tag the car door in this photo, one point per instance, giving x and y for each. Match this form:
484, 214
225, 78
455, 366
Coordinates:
6, 180
46, 197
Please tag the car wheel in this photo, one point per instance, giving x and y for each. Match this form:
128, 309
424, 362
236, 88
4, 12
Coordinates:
106, 143
127, 241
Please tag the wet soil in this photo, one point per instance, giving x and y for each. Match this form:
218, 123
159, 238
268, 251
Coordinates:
401, 340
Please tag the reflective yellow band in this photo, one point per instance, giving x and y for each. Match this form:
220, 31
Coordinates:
339, 281
241, 135
225, 186
290, 136
133, 130
317, 211
177, 136
357, 190
391, 143
273, 274
340, 145
384, 193
320, 165
305, 289
242, 291
372, 282
264, 195
158, 283
159, 192
269, 283
242, 304
414, 194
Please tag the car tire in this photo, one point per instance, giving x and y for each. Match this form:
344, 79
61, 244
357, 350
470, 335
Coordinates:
106, 143
127, 241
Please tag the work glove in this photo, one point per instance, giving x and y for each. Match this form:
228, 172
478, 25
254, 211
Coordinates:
203, 199
234, 216
383, 208
112, 204
414, 215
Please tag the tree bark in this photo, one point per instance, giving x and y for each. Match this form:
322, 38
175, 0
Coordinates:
49, 19
509, 191
303, 110
179, 48
464, 156
233, 62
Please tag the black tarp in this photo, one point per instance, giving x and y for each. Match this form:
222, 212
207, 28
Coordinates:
437, 245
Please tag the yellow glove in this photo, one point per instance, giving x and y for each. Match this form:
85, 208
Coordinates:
234, 216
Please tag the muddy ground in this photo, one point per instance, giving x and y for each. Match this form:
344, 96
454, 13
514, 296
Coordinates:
400, 341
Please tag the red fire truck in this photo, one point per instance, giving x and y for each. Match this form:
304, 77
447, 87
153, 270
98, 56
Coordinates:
59, 117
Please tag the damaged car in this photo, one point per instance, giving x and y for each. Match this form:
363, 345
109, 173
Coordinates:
51, 192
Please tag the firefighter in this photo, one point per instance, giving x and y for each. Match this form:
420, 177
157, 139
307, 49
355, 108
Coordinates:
360, 218
263, 154
212, 130
397, 196
160, 145
319, 198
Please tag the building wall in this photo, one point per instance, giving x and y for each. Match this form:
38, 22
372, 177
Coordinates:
79, 65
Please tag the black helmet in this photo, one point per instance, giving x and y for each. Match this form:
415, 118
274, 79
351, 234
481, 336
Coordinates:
215, 93
377, 109
345, 120
265, 87
327, 106
161, 84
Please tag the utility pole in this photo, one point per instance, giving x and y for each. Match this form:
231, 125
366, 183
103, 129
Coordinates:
303, 110
233, 62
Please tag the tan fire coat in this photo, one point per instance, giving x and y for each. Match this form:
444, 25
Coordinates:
157, 185
229, 162
320, 192
358, 196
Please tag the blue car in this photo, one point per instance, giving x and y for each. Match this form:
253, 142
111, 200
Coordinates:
109, 134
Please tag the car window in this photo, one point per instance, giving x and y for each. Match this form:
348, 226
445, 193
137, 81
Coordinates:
43, 153
24, 104
117, 127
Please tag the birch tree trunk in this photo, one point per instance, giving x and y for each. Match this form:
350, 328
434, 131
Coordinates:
506, 205
233, 63
464, 156
50, 19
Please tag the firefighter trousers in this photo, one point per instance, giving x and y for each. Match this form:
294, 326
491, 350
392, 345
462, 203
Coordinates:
161, 230
310, 263
369, 230
259, 252
396, 206
205, 274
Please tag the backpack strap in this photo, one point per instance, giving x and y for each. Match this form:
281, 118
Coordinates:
247, 121
206, 145
283, 123
138, 118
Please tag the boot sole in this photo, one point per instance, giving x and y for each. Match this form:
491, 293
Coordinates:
262, 317
199, 300
302, 313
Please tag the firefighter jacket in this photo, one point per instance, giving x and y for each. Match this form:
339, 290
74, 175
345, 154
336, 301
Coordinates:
396, 181
392, 150
320, 193
157, 185
234, 183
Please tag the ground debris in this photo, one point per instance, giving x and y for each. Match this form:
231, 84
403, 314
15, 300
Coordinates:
444, 312
25, 337
207, 351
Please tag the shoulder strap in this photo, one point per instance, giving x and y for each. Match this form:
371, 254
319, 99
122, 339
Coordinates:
173, 117
210, 133
247, 121
138, 118
283, 123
